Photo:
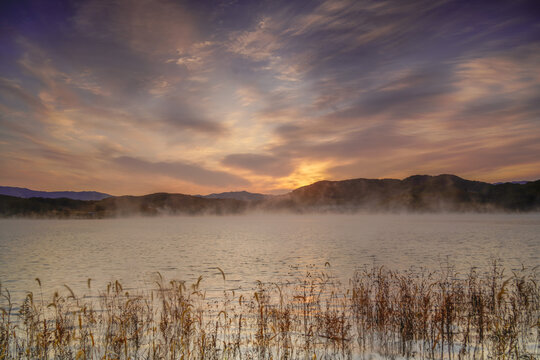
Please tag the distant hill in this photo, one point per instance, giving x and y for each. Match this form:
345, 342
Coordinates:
237, 195
118, 206
75, 195
418, 193
38, 207
512, 182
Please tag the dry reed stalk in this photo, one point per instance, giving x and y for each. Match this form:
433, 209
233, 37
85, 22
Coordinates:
439, 315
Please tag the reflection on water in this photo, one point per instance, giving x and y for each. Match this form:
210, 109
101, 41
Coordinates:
251, 248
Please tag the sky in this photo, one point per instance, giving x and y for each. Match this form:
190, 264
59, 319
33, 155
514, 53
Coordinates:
139, 96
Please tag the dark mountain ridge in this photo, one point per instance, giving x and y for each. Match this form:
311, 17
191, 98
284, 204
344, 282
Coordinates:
421, 193
238, 195
418, 193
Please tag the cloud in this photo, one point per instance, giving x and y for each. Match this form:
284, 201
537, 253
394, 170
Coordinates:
145, 26
176, 112
419, 92
15, 97
259, 44
372, 141
499, 87
197, 57
281, 92
260, 164
136, 93
181, 171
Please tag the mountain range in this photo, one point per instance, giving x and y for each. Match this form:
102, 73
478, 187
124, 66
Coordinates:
418, 193
75, 195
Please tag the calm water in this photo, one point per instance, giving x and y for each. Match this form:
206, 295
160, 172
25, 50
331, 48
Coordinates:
251, 248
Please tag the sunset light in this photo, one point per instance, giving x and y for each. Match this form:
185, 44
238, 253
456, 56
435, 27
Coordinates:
209, 96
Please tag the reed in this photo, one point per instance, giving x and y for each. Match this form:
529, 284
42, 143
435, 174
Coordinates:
410, 314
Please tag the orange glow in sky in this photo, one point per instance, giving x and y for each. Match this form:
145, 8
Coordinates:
134, 96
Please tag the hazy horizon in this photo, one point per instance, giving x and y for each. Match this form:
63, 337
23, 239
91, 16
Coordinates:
277, 192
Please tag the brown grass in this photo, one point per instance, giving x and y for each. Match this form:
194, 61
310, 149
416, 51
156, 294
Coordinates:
420, 315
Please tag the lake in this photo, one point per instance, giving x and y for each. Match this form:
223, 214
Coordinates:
269, 248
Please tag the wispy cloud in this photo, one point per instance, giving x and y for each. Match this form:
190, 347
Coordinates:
198, 97
182, 171
153, 28
260, 164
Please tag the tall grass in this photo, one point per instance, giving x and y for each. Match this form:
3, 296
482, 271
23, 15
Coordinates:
420, 315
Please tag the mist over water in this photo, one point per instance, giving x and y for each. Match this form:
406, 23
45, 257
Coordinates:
269, 248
